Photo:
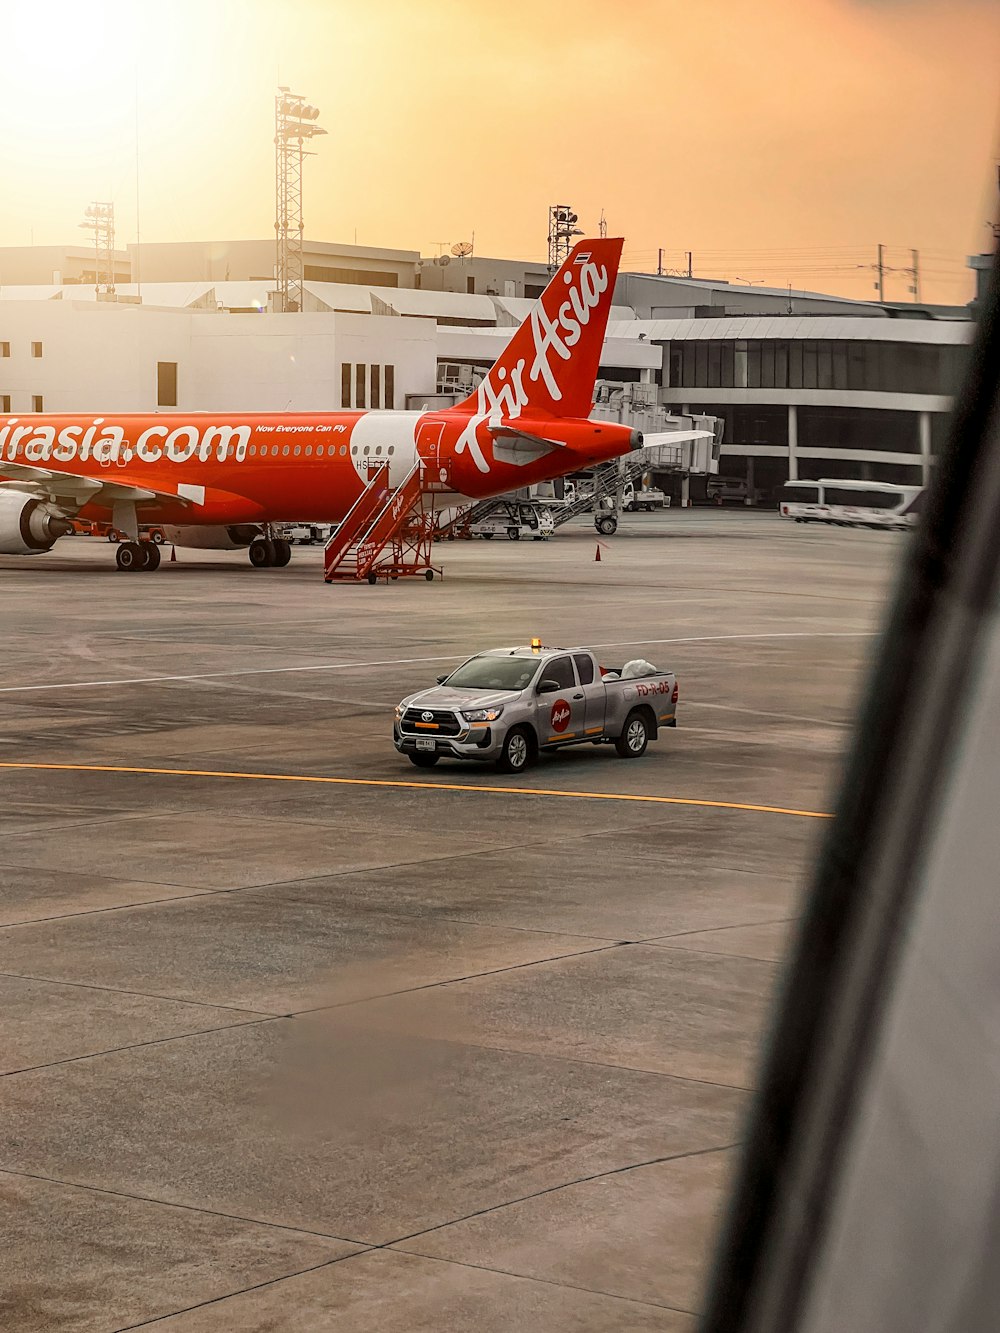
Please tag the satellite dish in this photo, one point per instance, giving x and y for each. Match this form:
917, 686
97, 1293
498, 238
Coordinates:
443, 260
462, 249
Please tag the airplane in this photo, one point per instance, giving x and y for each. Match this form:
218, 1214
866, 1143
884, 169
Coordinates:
219, 481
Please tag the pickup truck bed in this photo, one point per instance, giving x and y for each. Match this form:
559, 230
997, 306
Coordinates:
507, 705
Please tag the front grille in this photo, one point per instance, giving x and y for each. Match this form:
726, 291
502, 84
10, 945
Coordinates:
441, 723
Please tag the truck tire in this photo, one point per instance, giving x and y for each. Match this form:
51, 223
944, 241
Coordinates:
514, 534
516, 754
631, 744
420, 759
606, 526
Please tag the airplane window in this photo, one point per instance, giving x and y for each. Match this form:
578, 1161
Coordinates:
309, 451
253, 451
297, 450
274, 451
343, 450
320, 450
284, 451
391, 449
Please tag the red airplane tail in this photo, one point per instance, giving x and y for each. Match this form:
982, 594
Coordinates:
549, 367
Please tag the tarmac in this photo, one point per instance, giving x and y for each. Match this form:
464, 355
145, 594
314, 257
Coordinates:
408, 1050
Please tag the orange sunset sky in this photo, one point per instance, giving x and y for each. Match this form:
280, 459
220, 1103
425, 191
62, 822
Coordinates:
778, 141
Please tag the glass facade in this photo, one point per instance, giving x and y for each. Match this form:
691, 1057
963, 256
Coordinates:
880, 367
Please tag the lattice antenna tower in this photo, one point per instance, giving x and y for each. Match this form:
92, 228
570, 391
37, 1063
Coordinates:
99, 218
562, 229
294, 127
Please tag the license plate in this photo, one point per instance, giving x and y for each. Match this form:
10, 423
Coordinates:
426, 743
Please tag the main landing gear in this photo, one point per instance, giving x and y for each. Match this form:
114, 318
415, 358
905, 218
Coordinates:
269, 552
137, 556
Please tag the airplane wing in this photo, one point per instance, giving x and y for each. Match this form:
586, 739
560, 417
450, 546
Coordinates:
71, 490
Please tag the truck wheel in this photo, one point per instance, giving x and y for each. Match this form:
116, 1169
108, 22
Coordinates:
606, 526
516, 753
486, 536
423, 760
631, 744
514, 534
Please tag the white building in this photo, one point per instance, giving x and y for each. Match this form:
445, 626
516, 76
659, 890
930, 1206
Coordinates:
808, 385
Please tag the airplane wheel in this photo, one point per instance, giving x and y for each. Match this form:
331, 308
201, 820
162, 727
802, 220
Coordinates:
130, 556
282, 553
150, 556
261, 553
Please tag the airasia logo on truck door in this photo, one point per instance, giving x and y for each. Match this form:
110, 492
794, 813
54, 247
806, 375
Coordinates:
561, 714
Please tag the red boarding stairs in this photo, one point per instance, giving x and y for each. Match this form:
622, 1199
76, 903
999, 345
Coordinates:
386, 534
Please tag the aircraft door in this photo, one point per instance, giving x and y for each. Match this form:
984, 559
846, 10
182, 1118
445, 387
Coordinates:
431, 448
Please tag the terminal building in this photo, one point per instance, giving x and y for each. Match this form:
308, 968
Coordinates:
806, 384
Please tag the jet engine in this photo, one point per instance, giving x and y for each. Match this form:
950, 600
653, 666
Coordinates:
29, 526
234, 538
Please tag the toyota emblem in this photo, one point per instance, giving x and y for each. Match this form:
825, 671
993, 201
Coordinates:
426, 717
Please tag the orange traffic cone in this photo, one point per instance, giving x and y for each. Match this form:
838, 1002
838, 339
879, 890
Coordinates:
173, 553
597, 555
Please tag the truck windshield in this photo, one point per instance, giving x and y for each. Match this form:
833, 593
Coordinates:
494, 673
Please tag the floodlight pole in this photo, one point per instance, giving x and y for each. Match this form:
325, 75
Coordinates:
562, 229
100, 219
294, 123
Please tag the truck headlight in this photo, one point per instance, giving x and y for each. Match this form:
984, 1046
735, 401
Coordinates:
399, 712
482, 714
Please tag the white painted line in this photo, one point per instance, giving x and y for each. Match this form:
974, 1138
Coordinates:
412, 661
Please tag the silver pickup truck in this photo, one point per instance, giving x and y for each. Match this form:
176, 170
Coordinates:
508, 704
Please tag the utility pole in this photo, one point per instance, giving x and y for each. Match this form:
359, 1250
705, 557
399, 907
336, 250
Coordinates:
602, 226
880, 269
690, 258
914, 273
659, 263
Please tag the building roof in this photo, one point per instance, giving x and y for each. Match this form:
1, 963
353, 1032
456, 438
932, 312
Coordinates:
788, 327
701, 286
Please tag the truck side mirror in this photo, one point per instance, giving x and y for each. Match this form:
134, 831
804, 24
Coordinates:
441, 679
548, 686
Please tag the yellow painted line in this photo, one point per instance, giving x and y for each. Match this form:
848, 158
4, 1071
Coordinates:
419, 786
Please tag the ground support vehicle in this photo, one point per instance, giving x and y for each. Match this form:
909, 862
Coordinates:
152, 534
852, 504
306, 534
507, 705
515, 519
643, 498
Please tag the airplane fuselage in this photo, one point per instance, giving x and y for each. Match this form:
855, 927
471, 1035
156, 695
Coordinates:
218, 468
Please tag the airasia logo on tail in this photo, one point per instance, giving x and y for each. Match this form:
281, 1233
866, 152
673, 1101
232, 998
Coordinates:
561, 714
503, 394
